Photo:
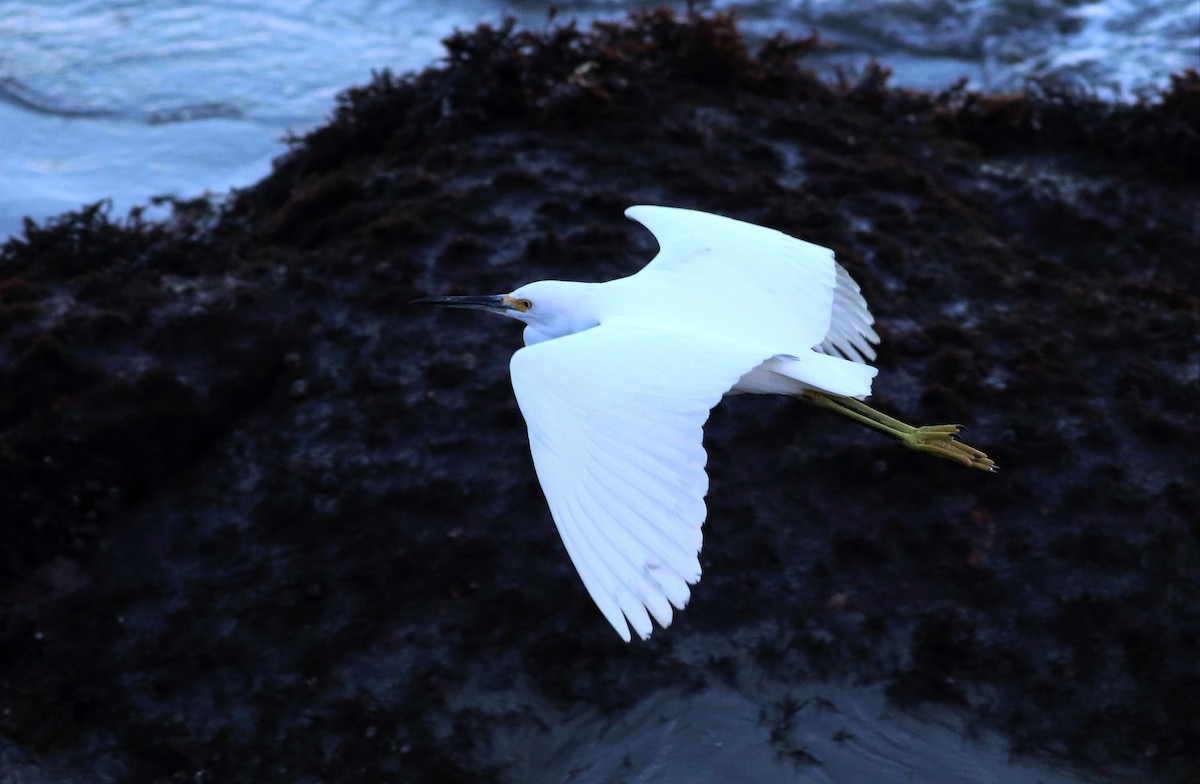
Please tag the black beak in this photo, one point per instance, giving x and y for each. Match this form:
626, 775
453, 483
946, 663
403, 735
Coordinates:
497, 303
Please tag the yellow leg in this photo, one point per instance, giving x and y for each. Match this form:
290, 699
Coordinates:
939, 440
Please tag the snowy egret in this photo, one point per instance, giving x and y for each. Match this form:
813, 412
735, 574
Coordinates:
617, 380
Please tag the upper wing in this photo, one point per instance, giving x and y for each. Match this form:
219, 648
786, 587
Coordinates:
615, 417
765, 283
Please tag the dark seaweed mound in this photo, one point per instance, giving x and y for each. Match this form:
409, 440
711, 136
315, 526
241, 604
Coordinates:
265, 521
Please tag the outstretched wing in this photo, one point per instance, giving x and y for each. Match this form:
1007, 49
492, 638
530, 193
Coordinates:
615, 417
765, 281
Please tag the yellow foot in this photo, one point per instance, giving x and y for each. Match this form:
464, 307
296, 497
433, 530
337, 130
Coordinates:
938, 440
942, 441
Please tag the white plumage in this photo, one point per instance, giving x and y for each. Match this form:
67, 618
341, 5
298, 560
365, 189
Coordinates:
617, 380
616, 412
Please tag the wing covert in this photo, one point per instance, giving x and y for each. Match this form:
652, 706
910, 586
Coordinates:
787, 284
796, 287
616, 417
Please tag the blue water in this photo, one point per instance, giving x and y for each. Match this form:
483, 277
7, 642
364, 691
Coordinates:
722, 735
128, 99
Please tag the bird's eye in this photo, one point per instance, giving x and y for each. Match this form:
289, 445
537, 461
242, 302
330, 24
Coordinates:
525, 304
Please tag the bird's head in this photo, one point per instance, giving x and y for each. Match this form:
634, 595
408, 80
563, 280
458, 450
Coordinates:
549, 308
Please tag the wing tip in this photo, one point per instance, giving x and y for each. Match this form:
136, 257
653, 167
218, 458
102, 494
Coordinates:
639, 212
643, 633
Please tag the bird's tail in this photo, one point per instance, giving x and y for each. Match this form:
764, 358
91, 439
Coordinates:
833, 375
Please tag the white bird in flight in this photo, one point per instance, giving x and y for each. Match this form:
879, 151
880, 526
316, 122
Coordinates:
617, 379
